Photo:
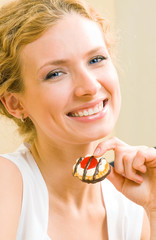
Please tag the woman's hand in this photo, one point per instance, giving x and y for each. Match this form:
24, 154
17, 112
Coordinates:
134, 173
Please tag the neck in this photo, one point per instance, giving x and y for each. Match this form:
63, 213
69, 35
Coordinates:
56, 165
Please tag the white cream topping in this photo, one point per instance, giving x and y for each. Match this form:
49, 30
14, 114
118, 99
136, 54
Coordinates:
90, 111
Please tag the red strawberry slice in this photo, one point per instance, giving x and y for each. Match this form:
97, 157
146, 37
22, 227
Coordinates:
91, 165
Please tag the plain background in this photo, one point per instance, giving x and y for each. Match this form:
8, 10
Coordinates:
134, 22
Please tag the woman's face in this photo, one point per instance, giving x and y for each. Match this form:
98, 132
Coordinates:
72, 91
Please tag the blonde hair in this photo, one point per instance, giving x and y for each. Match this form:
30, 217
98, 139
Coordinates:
22, 22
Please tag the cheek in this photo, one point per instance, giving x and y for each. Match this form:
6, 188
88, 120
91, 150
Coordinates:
113, 87
56, 96
116, 99
111, 83
116, 95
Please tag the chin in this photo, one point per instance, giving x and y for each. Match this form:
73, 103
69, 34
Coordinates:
94, 135
102, 131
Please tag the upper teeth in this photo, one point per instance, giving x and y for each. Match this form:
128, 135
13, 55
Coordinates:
88, 112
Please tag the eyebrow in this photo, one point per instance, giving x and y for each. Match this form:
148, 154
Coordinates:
55, 62
96, 50
63, 61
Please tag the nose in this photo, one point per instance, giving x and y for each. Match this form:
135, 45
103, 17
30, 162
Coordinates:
87, 83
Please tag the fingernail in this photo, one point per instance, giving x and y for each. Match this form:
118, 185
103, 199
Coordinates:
139, 180
97, 151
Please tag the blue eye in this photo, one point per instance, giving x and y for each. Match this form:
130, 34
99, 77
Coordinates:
51, 75
97, 59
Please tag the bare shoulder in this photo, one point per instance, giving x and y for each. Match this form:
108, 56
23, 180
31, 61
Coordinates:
145, 235
11, 187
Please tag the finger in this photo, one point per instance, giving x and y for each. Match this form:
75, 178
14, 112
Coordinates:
109, 144
118, 162
145, 158
139, 162
130, 172
150, 157
116, 179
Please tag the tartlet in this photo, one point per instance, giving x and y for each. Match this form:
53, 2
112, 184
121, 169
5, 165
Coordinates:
90, 169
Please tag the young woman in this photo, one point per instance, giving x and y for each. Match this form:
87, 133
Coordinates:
58, 83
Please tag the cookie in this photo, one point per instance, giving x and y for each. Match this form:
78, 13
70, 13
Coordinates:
91, 169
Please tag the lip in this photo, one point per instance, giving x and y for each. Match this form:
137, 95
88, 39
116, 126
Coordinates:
87, 106
96, 116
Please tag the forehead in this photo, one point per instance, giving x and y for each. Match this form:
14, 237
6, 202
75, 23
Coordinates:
73, 35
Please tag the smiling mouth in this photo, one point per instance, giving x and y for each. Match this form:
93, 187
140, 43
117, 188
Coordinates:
89, 111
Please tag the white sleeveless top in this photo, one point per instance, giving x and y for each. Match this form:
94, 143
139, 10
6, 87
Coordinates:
124, 218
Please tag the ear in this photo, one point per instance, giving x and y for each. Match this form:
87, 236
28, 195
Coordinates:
12, 103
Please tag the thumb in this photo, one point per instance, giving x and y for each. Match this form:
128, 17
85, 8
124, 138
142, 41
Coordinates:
116, 179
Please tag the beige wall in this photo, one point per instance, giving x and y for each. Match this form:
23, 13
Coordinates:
135, 21
3, 1
105, 7
9, 137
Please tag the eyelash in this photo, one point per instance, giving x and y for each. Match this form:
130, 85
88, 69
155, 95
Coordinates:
98, 58
55, 74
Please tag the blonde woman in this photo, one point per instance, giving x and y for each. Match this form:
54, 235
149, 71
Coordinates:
59, 84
